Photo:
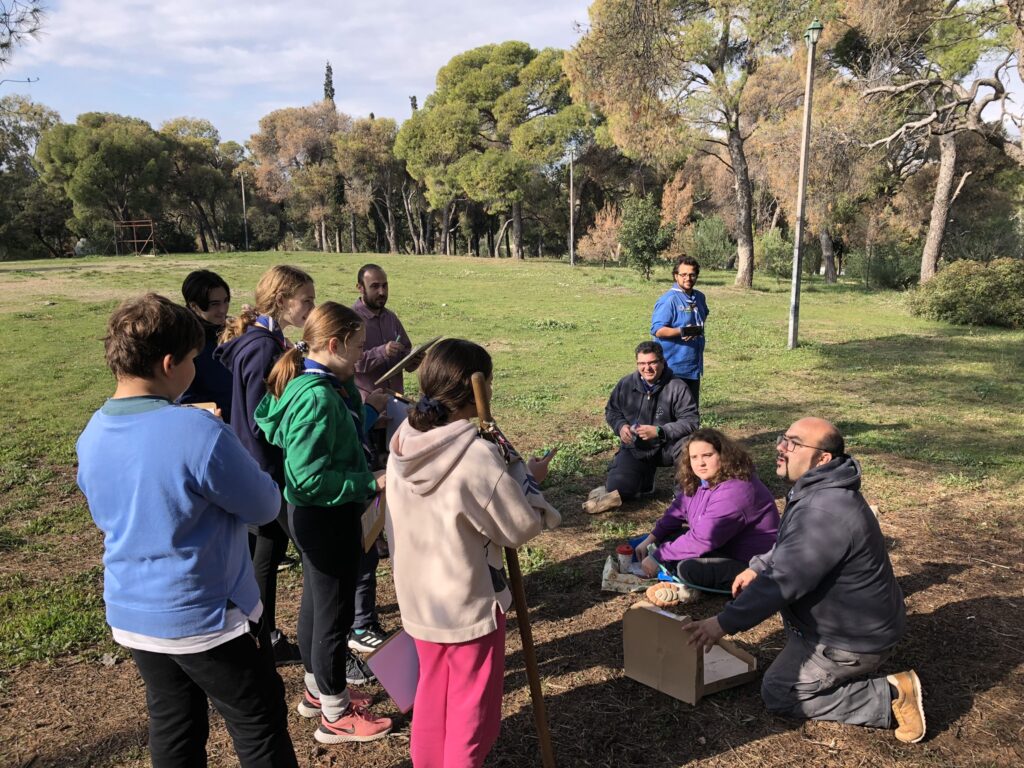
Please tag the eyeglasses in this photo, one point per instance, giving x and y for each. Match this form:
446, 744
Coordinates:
655, 364
686, 275
787, 443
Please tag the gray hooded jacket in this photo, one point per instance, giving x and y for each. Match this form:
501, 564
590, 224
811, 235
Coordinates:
829, 573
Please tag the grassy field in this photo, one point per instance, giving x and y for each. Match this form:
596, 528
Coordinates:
933, 412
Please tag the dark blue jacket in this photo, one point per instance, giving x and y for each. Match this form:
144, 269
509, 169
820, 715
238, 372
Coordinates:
212, 383
250, 357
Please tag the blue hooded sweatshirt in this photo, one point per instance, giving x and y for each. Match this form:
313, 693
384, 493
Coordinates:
250, 357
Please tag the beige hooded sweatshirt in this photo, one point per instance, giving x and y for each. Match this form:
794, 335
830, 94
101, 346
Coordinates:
452, 504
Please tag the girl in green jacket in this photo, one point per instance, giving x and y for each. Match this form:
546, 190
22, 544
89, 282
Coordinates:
313, 411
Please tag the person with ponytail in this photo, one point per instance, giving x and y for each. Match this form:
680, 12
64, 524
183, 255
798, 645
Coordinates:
249, 345
313, 412
453, 504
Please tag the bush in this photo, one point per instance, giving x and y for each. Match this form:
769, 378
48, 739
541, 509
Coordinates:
885, 266
971, 293
709, 243
774, 254
601, 243
642, 236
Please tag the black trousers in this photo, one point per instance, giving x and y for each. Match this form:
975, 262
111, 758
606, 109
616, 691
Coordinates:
330, 541
366, 589
694, 386
711, 572
631, 476
268, 545
239, 679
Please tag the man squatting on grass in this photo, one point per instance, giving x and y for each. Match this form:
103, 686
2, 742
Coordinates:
829, 575
173, 490
652, 413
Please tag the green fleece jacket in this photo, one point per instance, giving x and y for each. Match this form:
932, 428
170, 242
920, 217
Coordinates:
324, 463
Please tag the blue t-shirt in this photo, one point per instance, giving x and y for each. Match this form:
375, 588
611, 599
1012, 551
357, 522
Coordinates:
677, 309
173, 490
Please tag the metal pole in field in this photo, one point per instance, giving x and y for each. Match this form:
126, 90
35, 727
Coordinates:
245, 218
811, 37
572, 212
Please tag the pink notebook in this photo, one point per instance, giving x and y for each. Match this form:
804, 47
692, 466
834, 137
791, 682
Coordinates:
397, 667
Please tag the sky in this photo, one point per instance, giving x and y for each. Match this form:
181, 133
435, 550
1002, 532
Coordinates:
233, 61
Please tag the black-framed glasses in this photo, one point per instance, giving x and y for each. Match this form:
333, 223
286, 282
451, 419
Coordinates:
690, 275
787, 443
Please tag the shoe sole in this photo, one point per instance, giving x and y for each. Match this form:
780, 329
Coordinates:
325, 737
307, 711
920, 706
355, 645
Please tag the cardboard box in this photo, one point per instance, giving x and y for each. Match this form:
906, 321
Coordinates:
657, 654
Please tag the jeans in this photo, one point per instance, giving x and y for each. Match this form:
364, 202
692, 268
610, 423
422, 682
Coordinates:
330, 541
239, 679
631, 476
809, 680
366, 589
710, 572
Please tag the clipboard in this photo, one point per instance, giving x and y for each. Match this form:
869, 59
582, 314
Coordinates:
397, 668
373, 520
405, 360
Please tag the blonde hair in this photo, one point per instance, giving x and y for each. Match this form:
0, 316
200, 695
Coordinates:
330, 320
277, 283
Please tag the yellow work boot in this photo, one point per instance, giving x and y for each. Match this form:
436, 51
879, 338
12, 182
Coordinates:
907, 706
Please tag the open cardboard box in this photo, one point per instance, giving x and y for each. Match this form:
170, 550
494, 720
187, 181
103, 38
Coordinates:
657, 654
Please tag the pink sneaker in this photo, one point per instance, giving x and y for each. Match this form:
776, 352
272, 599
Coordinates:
309, 705
357, 724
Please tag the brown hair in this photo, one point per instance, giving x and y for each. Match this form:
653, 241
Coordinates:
142, 331
328, 321
736, 462
446, 381
277, 283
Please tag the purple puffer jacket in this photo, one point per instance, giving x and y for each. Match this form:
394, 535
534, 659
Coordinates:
736, 519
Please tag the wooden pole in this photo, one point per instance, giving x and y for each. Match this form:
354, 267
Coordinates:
515, 578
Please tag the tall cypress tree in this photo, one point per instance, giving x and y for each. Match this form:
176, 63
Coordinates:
329, 83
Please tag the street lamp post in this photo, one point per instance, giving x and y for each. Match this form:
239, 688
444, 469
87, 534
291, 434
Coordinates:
572, 213
811, 37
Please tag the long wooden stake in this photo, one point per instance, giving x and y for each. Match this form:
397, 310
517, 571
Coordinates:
515, 577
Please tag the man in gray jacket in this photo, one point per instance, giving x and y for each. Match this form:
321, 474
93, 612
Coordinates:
651, 412
830, 577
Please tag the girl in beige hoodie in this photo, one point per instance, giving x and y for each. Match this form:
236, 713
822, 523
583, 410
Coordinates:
453, 503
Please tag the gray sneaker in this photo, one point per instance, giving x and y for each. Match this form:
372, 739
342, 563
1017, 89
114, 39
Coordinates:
356, 670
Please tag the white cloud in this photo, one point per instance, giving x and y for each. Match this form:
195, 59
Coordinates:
223, 59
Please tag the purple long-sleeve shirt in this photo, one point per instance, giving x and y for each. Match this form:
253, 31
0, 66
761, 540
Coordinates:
381, 327
736, 519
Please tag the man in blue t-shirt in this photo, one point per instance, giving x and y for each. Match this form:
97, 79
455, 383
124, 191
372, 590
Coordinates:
678, 325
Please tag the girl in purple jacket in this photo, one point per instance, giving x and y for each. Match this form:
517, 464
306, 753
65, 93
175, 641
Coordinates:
724, 516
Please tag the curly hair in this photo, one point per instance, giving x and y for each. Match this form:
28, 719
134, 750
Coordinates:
736, 462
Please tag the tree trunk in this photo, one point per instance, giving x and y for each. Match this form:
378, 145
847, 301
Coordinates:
323, 235
517, 230
446, 222
941, 203
829, 252
391, 229
337, 239
502, 233
744, 210
352, 231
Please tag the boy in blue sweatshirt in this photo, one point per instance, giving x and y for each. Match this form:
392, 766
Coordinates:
173, 489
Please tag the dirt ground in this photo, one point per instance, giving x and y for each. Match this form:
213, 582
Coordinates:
959, 561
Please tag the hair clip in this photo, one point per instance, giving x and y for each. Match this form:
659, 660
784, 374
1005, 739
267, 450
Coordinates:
303, 347
430, 405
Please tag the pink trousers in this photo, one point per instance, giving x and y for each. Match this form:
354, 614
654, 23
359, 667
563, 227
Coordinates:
457, 712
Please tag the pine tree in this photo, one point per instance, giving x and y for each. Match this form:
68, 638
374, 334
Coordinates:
329, 83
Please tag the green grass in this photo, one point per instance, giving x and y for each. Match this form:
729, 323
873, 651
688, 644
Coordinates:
901, 388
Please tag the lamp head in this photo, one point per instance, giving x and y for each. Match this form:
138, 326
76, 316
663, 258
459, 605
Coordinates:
813, 33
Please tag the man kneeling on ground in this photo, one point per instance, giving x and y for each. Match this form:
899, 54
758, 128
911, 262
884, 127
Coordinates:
829, 575
652, 413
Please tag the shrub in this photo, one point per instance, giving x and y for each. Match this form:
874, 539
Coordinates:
642, 235
774, 254
709, 243
601, 243
885, 266
971, 293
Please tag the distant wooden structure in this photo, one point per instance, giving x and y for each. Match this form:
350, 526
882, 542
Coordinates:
136, 237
